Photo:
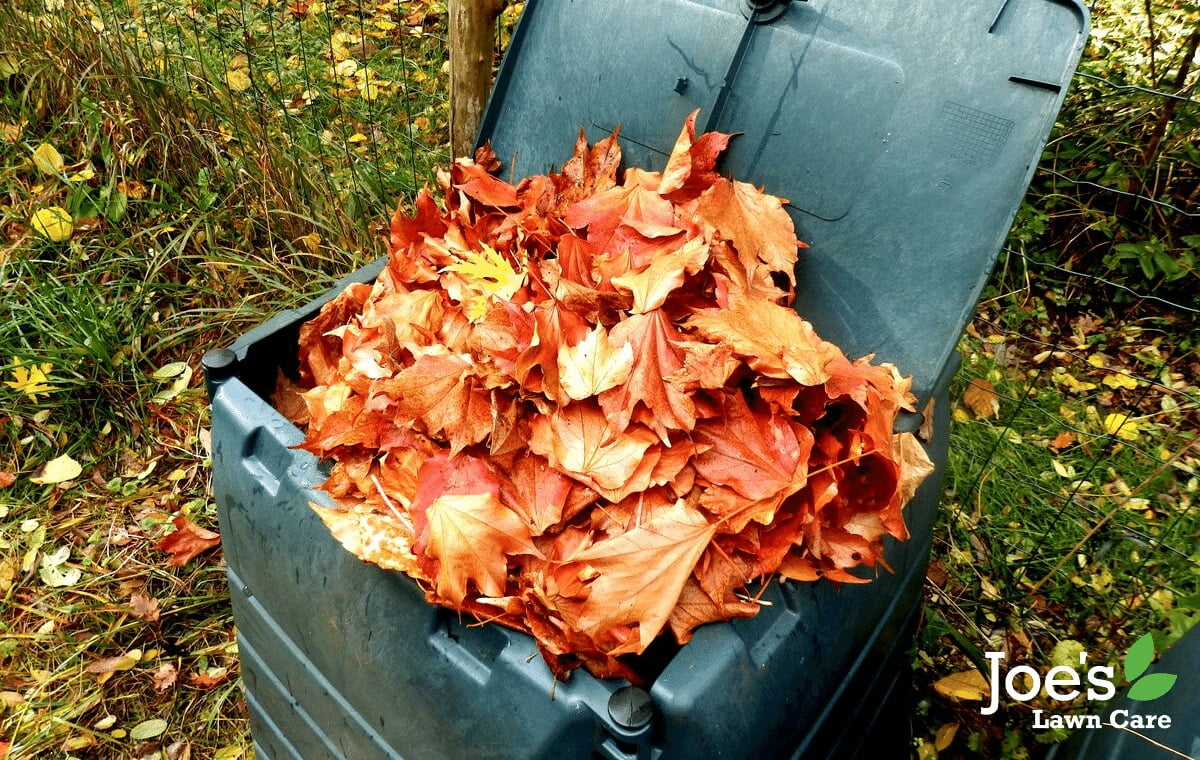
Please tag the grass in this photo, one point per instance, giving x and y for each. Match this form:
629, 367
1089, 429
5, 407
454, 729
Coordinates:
222, 161
1070, 510
196, 213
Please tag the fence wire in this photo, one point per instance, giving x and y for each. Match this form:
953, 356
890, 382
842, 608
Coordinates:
341, 102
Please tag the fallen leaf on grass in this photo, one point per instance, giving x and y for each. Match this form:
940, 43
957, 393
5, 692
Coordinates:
209, 678
164, 677
945, 736
105, 667
8, 574
113, 664
33, 380
9, 65
1062, 440
1122, 426
981, 398
58, 470
48, 160
1120, 380
54, 574
76, 743
969, 685
179, 374
238, 80
187, 541
53, 223
144, 607
148, 729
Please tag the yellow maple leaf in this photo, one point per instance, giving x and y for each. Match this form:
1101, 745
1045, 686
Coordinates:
488, 272
33, 381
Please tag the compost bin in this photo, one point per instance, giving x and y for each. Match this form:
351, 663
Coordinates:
904, 137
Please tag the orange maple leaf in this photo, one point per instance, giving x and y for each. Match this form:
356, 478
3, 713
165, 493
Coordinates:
442, 394
772, 339
637, 576
755, 222
472, 537
584, 444
664, 276
665, 406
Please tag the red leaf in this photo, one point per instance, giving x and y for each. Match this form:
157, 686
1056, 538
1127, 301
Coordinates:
689, 169
187, 541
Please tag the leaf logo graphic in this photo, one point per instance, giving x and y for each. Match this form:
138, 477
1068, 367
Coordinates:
1137, 659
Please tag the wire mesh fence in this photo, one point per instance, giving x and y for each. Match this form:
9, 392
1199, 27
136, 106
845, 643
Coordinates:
1072, 478
335, 109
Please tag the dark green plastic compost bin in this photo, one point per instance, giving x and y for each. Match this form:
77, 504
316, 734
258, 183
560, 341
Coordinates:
904, 135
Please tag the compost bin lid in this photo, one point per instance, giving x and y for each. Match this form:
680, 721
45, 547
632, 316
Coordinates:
903, 134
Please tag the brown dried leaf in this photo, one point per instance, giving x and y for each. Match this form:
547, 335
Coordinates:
981, 398
165, 676
144, 607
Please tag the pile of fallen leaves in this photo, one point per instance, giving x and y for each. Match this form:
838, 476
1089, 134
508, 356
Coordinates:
586, 409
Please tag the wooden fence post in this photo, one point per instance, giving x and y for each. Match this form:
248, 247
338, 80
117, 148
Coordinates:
472, 45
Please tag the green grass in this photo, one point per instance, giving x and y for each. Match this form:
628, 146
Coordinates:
197, 212
1070, 513
205, 200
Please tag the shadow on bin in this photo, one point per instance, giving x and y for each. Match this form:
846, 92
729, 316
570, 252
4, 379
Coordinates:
904, 136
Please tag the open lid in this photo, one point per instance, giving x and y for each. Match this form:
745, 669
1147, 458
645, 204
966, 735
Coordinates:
903, 134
